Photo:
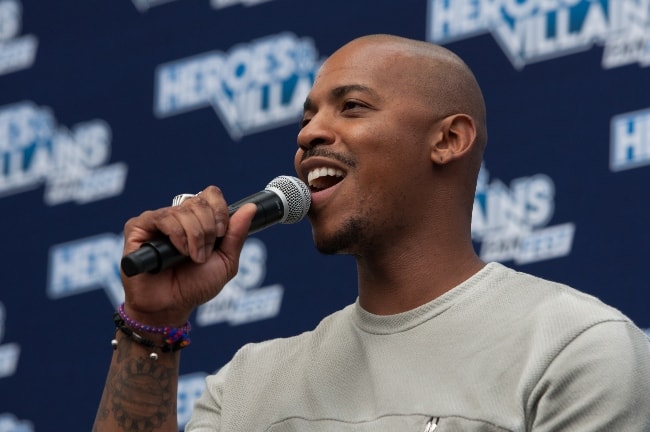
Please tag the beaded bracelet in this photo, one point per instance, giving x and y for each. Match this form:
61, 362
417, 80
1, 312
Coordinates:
151, 329
167, 346
174, 338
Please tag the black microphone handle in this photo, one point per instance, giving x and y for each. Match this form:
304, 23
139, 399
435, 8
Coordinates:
157, 255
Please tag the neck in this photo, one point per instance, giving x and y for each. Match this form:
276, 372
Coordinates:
404, 278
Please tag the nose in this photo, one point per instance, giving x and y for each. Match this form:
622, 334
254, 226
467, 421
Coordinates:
316, 131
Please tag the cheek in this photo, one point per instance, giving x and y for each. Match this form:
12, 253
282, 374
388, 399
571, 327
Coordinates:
296, 159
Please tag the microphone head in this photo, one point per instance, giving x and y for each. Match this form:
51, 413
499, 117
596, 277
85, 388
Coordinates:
296, 194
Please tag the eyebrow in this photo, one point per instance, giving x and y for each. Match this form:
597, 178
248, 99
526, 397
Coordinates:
339, 92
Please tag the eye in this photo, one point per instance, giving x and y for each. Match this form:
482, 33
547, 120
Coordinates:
352, 104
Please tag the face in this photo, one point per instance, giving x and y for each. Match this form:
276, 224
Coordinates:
363, 149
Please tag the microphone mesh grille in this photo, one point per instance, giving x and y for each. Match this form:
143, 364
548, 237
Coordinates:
296, 193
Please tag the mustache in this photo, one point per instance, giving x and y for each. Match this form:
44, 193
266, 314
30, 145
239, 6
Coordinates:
323, 152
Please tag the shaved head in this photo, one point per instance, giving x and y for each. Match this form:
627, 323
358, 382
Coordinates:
437, 74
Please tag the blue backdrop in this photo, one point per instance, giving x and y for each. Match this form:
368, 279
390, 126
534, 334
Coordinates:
108, 108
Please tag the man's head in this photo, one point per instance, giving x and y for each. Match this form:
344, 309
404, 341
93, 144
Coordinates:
391, 143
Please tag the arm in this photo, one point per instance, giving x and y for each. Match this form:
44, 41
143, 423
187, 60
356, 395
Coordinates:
599, 382
140, 392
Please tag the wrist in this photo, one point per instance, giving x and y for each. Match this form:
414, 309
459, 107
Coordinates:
145, 327
173, 338
159, 318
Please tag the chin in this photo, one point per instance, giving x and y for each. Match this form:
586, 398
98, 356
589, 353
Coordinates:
344, 240
329, 249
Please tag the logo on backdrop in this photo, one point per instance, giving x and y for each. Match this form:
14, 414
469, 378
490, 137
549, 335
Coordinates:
630, 140
243, 300
93, 263
511, 222
86, 265
253, 87
9, 423
16, 52
70, 162
531, 31
9, 353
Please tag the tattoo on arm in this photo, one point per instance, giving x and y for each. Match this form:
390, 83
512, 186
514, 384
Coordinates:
102, 412
140, 392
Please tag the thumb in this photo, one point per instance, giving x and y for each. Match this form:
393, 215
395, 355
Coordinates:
237, 232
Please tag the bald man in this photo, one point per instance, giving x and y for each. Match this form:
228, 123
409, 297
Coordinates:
437, 339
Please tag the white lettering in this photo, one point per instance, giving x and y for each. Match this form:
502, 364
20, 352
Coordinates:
102, 183
33, 151
242, 300
507, 220
552, 242
253, 87
257, 305
83, 265
10, 16
630, 146
536, 30
17, 54
185, 85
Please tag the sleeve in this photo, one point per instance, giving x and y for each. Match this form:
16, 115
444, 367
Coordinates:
599, 382
206, 415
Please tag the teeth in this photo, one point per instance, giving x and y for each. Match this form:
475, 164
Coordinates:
323, 172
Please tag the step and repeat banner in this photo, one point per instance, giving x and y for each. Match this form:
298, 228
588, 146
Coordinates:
109, 108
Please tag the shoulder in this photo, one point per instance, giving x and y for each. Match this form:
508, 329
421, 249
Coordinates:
550, 300
543, 318
585, 361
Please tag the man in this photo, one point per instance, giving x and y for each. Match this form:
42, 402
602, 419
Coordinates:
391, 144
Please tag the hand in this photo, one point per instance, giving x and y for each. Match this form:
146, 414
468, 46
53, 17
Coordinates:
169, 297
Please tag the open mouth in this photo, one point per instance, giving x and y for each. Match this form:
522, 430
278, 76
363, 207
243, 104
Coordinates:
322, 178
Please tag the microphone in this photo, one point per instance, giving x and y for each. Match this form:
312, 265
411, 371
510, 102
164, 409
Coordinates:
284, 200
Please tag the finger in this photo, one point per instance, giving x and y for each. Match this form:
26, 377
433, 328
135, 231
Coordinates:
191, 226
140, 229
198, 220
214, 197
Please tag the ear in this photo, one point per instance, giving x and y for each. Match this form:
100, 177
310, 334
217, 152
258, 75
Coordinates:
454, 138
